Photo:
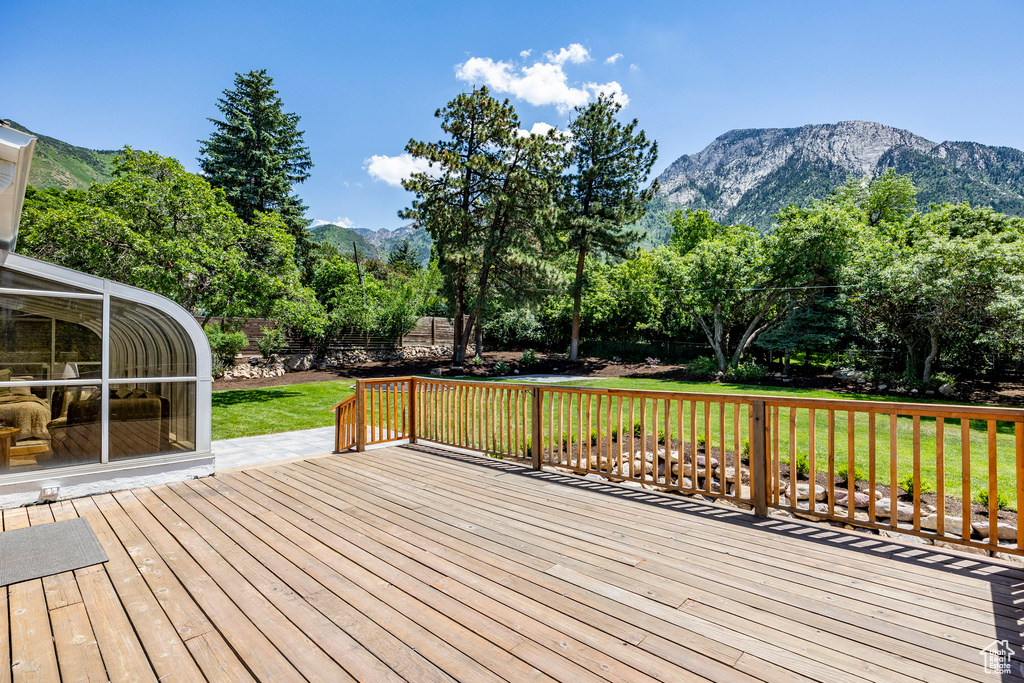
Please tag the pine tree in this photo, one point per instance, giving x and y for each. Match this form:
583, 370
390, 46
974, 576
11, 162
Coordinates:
488, 206
256, 154
610, 162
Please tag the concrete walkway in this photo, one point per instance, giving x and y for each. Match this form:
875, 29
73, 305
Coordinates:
546, 379
246, 451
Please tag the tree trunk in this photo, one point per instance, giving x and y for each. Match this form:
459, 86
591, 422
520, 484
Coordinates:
577, 300
479, 340
458, 321
933, 353
715, 340
785, 364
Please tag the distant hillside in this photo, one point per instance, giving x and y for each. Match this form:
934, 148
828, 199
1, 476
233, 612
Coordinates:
343, 238
58, 164
747, 176
374, 243
385, 240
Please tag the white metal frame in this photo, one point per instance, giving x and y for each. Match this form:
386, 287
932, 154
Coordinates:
99, 289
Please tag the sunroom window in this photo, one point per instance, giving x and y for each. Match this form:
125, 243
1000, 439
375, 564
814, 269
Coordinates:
90, 377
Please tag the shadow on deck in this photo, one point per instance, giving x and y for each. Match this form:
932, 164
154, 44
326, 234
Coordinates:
420, 563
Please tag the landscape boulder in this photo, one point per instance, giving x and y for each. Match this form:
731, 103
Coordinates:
952, 526
904, 511
299, 362
1007, 531
860, 500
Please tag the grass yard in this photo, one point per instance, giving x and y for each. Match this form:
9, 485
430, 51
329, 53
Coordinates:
249, 412
951, 437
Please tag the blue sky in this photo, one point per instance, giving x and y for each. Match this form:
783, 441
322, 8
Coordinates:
366, 77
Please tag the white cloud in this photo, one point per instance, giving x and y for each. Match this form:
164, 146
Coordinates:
392, 170
344, 222
634, 67
611, 90
575, 53
525, 53
541, 83
540, 128
614, 58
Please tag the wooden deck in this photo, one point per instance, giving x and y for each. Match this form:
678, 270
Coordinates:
412, 563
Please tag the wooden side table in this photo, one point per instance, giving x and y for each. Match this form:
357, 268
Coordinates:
7, 437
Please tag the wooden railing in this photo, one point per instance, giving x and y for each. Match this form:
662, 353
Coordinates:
345, 424
917, 468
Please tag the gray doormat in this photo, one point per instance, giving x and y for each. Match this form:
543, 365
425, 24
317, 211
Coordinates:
38, 551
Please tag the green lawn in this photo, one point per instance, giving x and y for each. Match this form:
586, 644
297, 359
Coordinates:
952, 451
248, 412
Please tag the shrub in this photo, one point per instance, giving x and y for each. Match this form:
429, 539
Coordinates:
706, 367
746, 372
529, 357
638, 429
272, 341
803, 466
652, 362
1002, 500
477, 361
501, 368
519, 326
907, 484
842, 471
225, 345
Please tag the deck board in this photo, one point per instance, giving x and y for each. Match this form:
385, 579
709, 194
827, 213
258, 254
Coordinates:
465, 568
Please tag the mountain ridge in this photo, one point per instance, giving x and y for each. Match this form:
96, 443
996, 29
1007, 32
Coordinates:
56, 163
748, 175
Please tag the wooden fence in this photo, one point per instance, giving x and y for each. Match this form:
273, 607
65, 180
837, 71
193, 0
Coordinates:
429, 331
905, 467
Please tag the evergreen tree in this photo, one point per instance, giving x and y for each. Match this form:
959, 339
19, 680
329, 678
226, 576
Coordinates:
488, 206
609, 162
403, 258
256, 154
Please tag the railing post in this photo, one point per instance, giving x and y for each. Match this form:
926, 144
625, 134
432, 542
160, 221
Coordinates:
759, 461
337, 429
412, 410
535, 420
360, 408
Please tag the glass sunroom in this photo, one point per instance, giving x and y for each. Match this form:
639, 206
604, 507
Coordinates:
102, 385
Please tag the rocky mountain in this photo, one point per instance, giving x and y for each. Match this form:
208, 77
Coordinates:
385, 240
56, 163
747, 176
343, 239
373, 243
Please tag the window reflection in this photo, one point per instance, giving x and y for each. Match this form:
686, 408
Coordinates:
47, 338
152, 418
42, 427
145, 342
11, 279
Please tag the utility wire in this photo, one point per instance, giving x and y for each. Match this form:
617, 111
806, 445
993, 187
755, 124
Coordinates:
714, 289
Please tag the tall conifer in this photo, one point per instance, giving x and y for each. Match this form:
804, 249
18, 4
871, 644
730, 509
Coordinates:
256, 154
609, 161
